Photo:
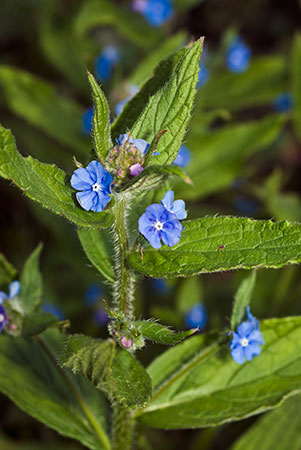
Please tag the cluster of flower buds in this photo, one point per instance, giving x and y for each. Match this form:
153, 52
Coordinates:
125, 160
124, 331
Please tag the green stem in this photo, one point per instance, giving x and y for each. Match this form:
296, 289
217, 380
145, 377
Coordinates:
124, 284
123, 429
123, 423
103, 437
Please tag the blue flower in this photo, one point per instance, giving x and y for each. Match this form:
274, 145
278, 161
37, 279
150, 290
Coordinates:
238, 56
3, 318
247, 340
203, 76
120, 105
160, 286
283, 102
157, 223
13, 289
176, 207
56, 310
141, 144
196, 317
93, 294
245, 206
183, 157
105, 62
156, 12
94, 182
87, 121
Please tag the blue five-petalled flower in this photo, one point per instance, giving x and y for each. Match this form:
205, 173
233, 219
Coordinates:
94, 183
238, 56
159, 223
13, 290
247, 340
156, 12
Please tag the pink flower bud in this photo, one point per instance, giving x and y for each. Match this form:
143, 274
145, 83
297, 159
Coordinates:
135, 169
126, 343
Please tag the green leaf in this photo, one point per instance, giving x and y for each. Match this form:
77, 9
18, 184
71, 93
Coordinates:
33, 381
89, 357
37, 322
242, 299
36, 101
95, 245
264, 79
31, 293
189, 294
161, 334
136, 105
147, 66
7, 272
296, 82
170, 108
46, 184
218, 158
95, 13
279, 429
197, 386
215, 244
115, 371
101, 120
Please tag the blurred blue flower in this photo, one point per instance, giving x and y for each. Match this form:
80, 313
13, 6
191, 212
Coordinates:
183, 157
13, 290
56, 310
157, 223
247, 340
196, 317
176, 207
100, 317
3, 317
244, 205
160, 286
141, 144
238, 56
94, 183
203, 75
93, 294
87, 121
283, 102
120, 105
105, 62
156, 12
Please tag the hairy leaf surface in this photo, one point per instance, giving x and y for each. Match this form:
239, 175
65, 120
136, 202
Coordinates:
215, 244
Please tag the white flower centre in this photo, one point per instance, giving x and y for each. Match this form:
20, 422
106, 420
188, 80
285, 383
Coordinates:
158, 225
96, 187
244, 342
2, 318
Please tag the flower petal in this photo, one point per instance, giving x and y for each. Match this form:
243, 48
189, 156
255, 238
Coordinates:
86, 199
142, 145
252, 350
178, 209
100, 201
238, 354
244, 329
96, 171
14, 289
153, 237
171, 237
156, 211
3, 297
81, 179
168, 200
256, 337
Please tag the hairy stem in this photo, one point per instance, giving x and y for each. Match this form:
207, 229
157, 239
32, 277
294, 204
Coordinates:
124, 285
123, 423
102, 436
123, 429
